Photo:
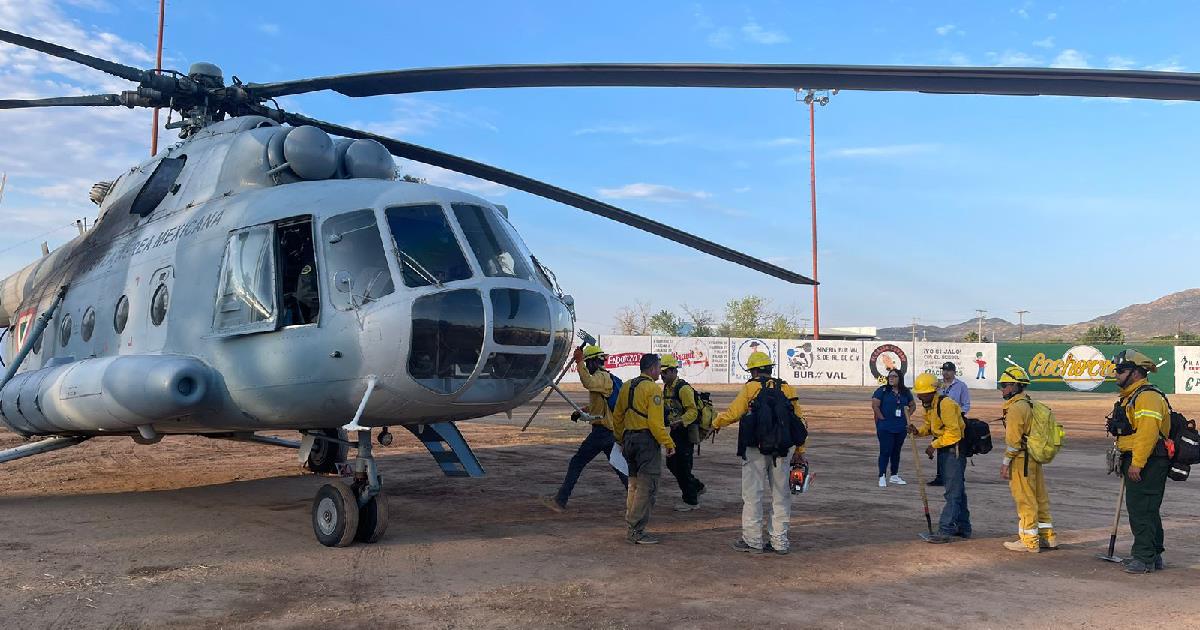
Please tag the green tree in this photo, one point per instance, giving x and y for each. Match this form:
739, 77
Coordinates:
1103, 333
971, 337
704, 323
744, 317
666, 323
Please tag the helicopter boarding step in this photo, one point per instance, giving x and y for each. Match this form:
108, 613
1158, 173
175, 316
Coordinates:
449, 449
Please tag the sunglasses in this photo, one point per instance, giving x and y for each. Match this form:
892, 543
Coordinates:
1123, 369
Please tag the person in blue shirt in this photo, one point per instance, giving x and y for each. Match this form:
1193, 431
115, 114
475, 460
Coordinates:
955, 390
893, 405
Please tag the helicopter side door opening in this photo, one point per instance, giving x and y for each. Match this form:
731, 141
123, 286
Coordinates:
298, 286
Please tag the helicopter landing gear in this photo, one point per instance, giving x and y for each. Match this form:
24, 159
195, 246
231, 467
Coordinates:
329, 449
342, 514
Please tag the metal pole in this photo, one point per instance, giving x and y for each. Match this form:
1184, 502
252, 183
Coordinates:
34, 335
812, 182
162, 11
1021, 325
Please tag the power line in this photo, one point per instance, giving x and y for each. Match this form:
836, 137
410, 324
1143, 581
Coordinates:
34, 238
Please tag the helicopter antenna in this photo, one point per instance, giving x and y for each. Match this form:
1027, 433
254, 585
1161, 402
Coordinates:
162, 11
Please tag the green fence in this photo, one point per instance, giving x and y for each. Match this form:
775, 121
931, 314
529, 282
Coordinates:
1067, 367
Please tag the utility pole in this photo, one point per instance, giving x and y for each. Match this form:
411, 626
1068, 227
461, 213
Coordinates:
914, 329
812, 98
803, 326
979, 334
1021, 325
162, 14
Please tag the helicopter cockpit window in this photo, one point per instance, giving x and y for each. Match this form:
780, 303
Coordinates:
354, 259
497, 254
297, 273
246, 293
426, 249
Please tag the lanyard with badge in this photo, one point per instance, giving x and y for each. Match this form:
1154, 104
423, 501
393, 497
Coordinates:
899, 404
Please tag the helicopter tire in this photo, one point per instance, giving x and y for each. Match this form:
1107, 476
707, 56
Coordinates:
335, 515
325, 456
372, 519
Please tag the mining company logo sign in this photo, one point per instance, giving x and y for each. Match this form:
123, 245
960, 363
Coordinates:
1082, 368
886, 358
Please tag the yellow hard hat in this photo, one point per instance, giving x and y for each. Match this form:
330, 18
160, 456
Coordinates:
1014, 374
1129, 356
759, 360
926, 383
593, 352
669, 361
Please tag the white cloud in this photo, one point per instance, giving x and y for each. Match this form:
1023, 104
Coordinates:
1170, 65
742, 189
884, 151
623, 130
1050, 17
663, 141
1014, 58
1070, 58
653, 192
269, 28
1047, 42
721, 38
1117, 62
757, 34
412, 115
945, 29
959, 59
438, 176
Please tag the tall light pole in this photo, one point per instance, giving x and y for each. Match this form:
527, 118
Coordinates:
812, 98
1021, 325
979, 334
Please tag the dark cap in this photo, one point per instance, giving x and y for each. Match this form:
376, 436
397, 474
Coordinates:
949, 365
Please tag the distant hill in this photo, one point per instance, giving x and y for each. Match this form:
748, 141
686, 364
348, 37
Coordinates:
1164, 316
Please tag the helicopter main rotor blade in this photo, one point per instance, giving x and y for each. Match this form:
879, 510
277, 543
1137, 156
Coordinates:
54, 50
931, 79
542, 189
94, 100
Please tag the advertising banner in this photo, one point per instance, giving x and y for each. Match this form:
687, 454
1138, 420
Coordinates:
881, 356
808, 362
976, 362
740, 349
701, 359
1080, 368
1187, 370
625, 354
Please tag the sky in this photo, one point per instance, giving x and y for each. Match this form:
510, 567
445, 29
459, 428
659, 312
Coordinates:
929, 206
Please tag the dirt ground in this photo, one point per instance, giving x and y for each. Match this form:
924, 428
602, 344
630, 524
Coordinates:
201, 533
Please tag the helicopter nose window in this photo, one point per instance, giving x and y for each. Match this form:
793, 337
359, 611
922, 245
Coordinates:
355, 260
426, 249
521, 318
497, 254
447, 339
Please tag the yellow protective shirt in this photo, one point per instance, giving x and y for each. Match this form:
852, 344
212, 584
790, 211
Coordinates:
679, 401
946, 428
1018, 414
599, 386
1151, 420
646, 412
741, 405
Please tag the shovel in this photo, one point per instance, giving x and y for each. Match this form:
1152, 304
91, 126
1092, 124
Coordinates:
1112, 538
921, 486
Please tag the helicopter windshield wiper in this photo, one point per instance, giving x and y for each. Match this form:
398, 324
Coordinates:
417, 267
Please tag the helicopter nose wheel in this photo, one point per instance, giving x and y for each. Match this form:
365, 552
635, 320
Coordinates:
342, 514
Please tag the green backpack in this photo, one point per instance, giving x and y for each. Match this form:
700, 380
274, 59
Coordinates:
1045, 436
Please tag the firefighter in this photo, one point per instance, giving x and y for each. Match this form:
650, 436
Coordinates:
679, 404
944, 421
1024, 474
1144, 461
642, 433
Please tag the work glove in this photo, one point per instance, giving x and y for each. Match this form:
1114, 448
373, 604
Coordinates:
575, 416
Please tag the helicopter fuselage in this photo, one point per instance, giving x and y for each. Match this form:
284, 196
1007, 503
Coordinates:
293, 290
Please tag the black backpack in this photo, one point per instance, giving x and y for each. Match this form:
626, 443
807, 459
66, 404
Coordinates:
977, 435
1184, 439
776, 428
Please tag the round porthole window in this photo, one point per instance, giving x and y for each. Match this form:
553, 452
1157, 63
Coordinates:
158, 304
121, 314
88, 325
64, 330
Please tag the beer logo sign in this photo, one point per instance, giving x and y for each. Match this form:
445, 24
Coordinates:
886, 358
1082, 368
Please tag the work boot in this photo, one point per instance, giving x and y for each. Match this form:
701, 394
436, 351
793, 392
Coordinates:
553, 504
740, 545
1016, 545
1048, 541
769, 548
936, 539
686, 507
936, 482
1138, 567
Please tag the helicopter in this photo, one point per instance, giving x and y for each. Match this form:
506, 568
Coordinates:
261, 275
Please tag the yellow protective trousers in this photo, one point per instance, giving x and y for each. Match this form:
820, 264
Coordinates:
1028, 488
